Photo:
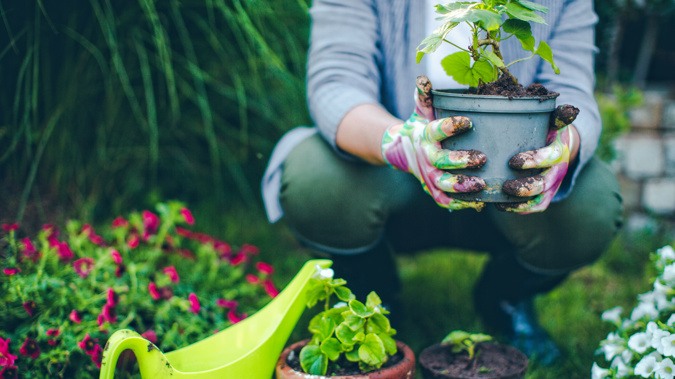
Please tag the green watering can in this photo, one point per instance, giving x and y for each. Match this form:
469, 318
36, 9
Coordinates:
248, 349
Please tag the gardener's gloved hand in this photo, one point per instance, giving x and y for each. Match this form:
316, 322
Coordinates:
415, 147
554, 158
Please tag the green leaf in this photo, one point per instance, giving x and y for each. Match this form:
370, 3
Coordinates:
533, 6
545, 52
315, 292
388, 342
346, 335
359, 308
379, 323
331, 348
487, 19
344, 293
493, 58
479, 337
372, 301
522, 30
458, 65
353, 321
313, 361
449, 7
434, 40
456, 337
315, 323
419, 56
372, 351
516, 10
326, 328
353, 355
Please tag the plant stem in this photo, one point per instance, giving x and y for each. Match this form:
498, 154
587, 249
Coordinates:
461, 48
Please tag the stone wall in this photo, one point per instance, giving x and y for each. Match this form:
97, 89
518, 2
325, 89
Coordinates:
645, 157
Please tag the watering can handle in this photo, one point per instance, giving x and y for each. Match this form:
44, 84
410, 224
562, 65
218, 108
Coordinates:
151, 361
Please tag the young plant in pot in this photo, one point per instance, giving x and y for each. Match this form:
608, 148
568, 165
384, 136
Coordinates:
462, 355
508, 119
350, 339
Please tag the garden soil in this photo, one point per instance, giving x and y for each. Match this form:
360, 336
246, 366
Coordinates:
494, 361
507, 86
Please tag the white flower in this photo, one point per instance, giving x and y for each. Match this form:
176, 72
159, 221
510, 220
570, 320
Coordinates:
598, 372
666, 253
665, 369
669, 273
671, 320
646, 366
669, 345
612, 315
612, 346
657, 340
621, 369
639, 342
644, 309
324, 273
340, 304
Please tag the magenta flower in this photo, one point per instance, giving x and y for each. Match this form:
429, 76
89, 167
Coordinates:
120, 270
97, 355
238, 259
150, 221
88, 344
53, 332
186, 253
116, 257
184, 232
252, 279
64, 252
224, 303
28, 250
11, 271
108, 313
248, 249
234, 318
30, 306
88, 230
30, 348
10, 227
6, 359
83, 266
152, 288
51, 230
223, 248
96, 239
172, 274
264, 268
271, 290
75, 316
166, 292
113, 298
9, 372
150, 335
194, 303
120, 222
187, 215
133, 241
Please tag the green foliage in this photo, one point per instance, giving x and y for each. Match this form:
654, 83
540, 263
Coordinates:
486, 17
460, 340
349, 333
65, 292
614, 112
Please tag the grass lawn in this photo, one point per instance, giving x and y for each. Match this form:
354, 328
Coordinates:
437, 291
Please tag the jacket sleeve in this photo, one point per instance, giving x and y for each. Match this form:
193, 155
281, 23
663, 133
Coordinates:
343, 61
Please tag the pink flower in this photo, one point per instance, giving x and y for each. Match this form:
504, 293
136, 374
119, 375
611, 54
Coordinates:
30, 306
10, 227
83, 266
194, 303
53, 332
172, 274
64, 252
9, 372
150, 335
248, 249
152, 288
224, 303
96, 239
88, 344
30, 348
223, 248
11, 271
133, 241
270, 288
29, 250
75, 316
113, 298
52, 342
184, 232
53, 242
120, 222
97, 355
186, 253
120, 270
6, 359
166, 292
116, 257
150, 221
52, 231
234, 318
238, 259
264, 268
88, 230
187, 215
108, 313
252, 279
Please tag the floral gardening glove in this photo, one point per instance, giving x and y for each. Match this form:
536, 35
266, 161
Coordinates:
415, 147
554, 158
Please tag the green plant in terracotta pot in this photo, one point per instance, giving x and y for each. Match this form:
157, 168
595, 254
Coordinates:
464, 355
508, 119
349, 338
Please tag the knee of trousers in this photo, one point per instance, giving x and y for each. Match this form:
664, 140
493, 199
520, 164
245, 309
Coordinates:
329, 202
577, 230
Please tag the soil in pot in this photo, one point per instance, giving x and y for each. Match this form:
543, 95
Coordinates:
495, 361
399, 366
507, 86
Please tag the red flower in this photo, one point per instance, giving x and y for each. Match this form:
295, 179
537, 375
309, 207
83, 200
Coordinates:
88, 230
83, 266
252, 279
166, 292
29, 250
232, 304
223, 248
116, 257
30, 348
11, 271
186, 253
113, 298
187, 215
52, 231
172, 274
53, 342
183, 232
108, 313
64, 252
53, 242
120, 222
30, 306
88, 344
270, 288
75, 316
264, 268
10, 227
133, 241
96, 239
150, 335
194, 303
152, 288
10, 372
239, 258
53, 332
150, 221
234, 318
97, 355
120, 270
6, 359
248, 249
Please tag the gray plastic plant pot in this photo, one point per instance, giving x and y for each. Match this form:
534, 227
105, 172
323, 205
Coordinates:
502, 127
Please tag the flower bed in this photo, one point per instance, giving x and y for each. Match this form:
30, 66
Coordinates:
64, 292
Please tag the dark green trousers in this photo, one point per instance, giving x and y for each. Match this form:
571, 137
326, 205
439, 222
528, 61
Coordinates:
343, 207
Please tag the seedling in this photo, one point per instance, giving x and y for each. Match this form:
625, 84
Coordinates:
460, 341
481, 61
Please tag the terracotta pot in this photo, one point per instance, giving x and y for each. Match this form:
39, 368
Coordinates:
404, 369
504, 362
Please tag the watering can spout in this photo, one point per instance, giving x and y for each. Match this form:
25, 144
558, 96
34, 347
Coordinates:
248, 349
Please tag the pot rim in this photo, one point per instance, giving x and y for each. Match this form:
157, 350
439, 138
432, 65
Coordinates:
459, 92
